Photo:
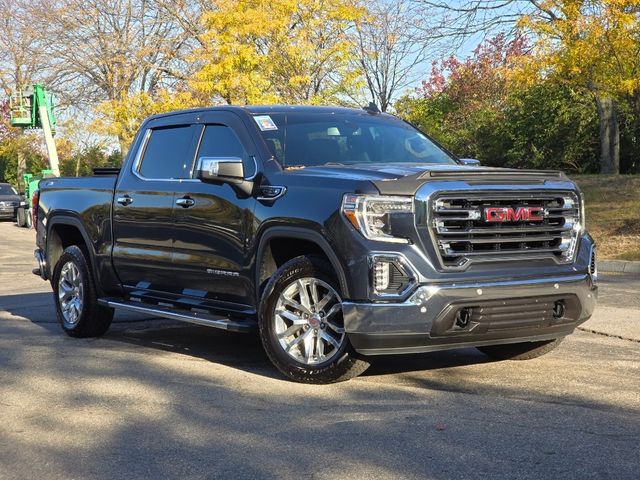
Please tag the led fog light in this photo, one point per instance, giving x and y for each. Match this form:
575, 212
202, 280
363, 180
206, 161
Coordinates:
391, 276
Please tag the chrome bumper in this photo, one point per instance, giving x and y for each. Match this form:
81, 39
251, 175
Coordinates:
427, 320
41, 270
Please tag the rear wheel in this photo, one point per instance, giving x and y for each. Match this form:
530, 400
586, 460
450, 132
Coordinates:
21, 217
520, 351
74, 293
302, 327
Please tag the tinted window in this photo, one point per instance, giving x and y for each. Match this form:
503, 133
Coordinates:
167, 153
324, 138
221, 141
7, 190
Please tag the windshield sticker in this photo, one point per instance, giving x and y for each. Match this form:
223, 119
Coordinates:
265, 122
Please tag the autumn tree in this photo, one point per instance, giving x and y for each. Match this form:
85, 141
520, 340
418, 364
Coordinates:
122, 117
109, 47
22, 62
15, 148
474, 108
22, 59
290, 51
593, 45
461, 99
102, 50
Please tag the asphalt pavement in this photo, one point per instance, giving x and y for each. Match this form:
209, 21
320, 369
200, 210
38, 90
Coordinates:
158, 399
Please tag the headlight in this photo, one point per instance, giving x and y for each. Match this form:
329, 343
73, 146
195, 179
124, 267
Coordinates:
371, 214
573, 212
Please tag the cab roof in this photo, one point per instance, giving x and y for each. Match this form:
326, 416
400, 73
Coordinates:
269, 109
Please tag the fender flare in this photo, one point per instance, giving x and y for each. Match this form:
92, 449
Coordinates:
73, 221
298, 233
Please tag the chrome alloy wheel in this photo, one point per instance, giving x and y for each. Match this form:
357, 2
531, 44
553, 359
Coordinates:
308, 321
70, 292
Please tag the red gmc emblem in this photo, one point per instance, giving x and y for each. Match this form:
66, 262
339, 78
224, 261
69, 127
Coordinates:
508, 214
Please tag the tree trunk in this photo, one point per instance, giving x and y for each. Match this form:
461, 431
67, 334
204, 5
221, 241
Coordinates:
609, 136
123, 146
634, 165
22, 168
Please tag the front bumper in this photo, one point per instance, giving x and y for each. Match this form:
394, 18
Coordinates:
8, 212
500, 312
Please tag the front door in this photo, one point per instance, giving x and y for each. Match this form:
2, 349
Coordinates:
213, 223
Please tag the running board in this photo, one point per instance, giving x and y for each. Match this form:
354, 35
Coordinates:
198, 318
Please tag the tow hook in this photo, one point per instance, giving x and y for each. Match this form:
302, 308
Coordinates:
463, 317
559, 309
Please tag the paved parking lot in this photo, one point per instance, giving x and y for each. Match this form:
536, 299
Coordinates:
158, 399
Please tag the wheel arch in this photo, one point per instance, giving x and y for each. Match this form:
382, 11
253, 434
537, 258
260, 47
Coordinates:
64, 230
302, 241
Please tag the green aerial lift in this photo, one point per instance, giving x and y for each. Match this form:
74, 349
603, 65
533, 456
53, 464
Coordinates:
33, 108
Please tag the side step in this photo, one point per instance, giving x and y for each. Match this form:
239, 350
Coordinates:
198, 318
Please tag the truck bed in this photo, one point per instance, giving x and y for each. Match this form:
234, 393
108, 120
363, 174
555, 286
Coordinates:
88, 197
85, 203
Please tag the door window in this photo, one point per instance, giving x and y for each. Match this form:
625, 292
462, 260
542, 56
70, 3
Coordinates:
167, 153
221, 141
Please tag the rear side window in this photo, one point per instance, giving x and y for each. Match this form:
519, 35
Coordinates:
167, 153
221, 141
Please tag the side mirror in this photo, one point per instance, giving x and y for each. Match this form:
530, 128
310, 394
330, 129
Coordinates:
470, 162
225, 170
220, 169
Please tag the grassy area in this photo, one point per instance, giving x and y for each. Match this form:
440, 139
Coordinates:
612, 203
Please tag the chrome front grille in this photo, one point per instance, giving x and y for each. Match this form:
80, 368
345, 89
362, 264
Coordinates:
504, 226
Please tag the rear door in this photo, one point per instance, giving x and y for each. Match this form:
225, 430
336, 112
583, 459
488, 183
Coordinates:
143, 206
213, 228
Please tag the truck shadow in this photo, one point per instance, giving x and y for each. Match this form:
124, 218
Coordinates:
236, 350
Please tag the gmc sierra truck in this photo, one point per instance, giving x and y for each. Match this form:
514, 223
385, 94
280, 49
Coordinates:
338, 234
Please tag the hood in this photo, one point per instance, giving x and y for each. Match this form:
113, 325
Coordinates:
10, 198
406, 178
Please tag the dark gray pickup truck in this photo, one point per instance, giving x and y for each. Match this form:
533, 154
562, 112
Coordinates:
337, 234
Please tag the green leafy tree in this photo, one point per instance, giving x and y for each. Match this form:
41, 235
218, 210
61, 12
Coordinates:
83, 162
473, 108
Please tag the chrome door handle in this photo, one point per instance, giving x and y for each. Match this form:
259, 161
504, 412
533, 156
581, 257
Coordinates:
126, 200
185, 202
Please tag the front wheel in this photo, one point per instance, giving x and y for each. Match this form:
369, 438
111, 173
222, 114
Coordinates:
74, 292
520, 351
28, 219
302, 327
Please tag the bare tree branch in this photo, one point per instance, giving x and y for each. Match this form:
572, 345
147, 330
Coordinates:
389, 48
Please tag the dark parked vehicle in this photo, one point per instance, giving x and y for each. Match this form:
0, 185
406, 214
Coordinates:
10, 200
338, 234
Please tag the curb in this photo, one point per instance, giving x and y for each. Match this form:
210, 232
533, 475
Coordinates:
618, 266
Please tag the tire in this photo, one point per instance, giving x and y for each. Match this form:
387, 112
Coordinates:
74, 294
520, 351
28, 219
318, 348
21, 217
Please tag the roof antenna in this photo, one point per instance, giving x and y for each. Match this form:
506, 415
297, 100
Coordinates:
372, 108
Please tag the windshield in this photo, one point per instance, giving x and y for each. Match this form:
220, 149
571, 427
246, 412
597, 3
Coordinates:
7, 190
309, 139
